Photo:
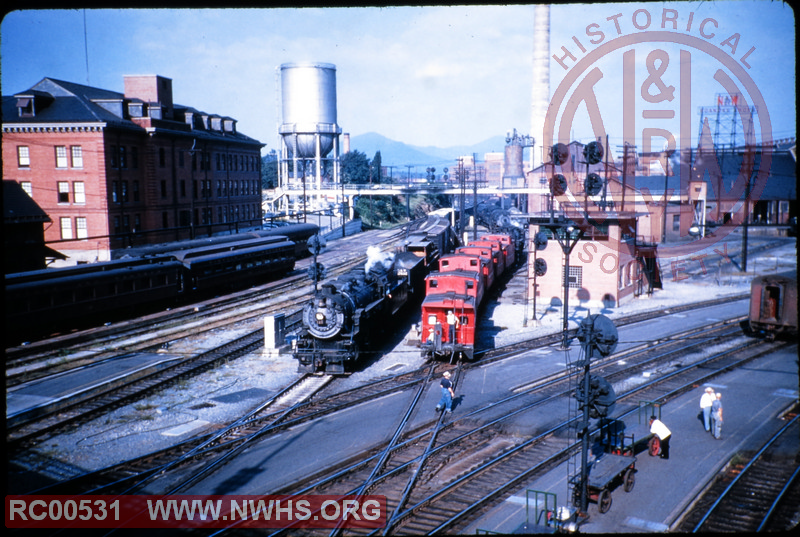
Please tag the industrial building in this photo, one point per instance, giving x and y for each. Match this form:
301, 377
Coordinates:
114, 170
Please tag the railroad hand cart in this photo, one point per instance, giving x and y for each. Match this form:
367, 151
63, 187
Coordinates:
606, 474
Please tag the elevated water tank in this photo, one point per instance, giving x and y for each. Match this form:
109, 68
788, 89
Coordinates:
308, 97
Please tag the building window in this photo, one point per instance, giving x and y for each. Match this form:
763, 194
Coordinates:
81, 227
77, 156
181, 158
66, 227
61, 156
112, 151
63, 192
134, 157
136, 191
27, 186
575, 277
79, 192
163, 189
123, 158
23, 156
162, 157
676, 222
114, 192
124, 185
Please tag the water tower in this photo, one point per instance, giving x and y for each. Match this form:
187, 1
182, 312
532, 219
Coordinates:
309, 132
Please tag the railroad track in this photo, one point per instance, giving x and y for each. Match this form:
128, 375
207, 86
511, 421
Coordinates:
758, 492
433, 475
151, 332
307, 407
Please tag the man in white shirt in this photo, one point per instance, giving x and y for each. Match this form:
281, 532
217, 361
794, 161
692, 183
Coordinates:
664, 435
705, 405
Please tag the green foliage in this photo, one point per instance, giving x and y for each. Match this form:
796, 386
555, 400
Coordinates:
375, 170
269, 170
387, 211
354, 167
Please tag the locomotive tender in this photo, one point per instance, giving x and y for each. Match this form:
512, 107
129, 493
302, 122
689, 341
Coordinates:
344, 320
43, 301
457, 291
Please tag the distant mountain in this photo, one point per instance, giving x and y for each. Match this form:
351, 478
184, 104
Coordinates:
399, 154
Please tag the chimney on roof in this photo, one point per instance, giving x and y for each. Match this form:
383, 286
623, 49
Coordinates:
153, 89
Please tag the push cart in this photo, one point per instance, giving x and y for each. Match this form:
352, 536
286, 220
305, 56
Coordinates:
605, 475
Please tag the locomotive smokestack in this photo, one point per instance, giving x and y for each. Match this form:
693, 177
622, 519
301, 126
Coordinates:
541, 79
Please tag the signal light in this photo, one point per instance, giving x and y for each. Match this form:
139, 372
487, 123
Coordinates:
594, 184
558, 185
540, 240
540, 267
559, 153
593, 152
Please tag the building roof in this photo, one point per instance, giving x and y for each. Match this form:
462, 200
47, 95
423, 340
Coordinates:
58, 101
781, 182
19, 207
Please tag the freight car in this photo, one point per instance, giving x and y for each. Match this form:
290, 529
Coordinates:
773, 306
455, 294
41, 302
346, 318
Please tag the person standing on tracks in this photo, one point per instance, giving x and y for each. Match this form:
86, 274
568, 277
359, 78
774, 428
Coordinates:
658, 428
452, 323
716, 415
705, 405
446, 402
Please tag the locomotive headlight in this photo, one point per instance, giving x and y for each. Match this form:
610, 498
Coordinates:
320, 317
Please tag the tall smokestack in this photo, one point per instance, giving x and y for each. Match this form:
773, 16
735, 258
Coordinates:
541, 79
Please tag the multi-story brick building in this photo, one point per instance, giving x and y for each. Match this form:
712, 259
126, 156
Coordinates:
116, 169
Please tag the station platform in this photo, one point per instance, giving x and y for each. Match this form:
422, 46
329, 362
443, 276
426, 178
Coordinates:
39, 397
754, 401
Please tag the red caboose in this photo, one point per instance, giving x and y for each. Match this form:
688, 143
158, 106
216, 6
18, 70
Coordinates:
460, 282
487, 262
508, 246
469, 262
436, 340
498, 254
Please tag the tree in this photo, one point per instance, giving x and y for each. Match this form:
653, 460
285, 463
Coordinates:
269, 170
376, 168
354, 167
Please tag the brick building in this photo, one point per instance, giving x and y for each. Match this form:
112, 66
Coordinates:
614, 260
113, 169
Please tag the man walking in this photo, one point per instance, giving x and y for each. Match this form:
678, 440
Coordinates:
446, 402
705, 405
716, 415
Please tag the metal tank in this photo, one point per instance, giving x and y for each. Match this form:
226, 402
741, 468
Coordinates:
512, 168
308, 96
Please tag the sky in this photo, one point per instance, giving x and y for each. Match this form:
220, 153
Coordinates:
426, 76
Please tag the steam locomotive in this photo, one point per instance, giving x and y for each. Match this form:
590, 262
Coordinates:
41, 302
344, 320
455, 293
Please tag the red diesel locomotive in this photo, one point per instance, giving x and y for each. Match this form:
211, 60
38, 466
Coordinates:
455, 294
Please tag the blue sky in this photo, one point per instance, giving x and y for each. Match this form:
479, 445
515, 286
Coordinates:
436, 75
